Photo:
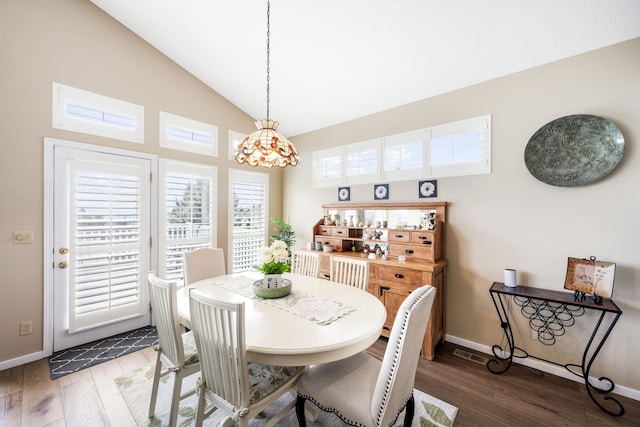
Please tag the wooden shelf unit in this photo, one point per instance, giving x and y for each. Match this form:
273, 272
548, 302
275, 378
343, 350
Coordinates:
390, 280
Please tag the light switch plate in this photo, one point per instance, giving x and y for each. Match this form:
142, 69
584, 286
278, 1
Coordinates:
20, 237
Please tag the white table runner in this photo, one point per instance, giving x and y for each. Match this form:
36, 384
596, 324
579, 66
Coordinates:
319, 310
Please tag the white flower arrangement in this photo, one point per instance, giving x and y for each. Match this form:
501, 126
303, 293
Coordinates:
275, 258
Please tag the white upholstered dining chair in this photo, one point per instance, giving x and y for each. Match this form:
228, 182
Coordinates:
203, 263
305, 263
239, 389
176, 350
377, 391
350, 271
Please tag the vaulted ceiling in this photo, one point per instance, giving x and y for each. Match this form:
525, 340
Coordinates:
337, 60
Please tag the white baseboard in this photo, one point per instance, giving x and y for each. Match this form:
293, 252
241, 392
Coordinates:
545, 367
12, 363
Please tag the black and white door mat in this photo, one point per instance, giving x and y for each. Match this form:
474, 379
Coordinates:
74, 359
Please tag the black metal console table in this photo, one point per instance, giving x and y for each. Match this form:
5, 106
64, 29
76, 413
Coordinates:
549, 313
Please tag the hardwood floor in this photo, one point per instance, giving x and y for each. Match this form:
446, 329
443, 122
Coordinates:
28, 396
521, 397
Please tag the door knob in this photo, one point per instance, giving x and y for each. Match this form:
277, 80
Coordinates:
63, 264
63, 251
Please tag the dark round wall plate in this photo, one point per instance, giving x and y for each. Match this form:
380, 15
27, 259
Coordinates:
574, 150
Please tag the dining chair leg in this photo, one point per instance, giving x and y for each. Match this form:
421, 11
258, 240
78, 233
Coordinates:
302, 421
154, 389
201, 403
409, 411
175, 398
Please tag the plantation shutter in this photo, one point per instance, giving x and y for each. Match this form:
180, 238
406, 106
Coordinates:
188, 214
329, 168
249, 226
107, 216
404, 155
363, 162
462, 148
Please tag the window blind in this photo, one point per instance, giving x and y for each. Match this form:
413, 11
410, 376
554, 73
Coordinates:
249, 223
106, 220
188, 214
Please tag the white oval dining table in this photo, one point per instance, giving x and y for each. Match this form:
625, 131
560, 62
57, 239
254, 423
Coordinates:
278, 337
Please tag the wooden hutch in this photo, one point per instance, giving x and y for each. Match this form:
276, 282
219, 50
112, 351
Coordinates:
398, 230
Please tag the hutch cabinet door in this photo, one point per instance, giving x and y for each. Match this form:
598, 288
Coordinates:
392, 296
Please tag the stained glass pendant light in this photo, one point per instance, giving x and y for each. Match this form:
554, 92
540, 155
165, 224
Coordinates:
266, 146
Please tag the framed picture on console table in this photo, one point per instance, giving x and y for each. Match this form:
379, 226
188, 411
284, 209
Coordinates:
589, 276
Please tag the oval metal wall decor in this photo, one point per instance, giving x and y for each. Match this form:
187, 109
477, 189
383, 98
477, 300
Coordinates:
574, 150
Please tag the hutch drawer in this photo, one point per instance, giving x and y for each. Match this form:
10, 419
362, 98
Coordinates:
423, 237
416, 252
400, 236
339, 232
400, 275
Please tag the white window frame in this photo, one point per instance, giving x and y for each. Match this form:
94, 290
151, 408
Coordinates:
64, 96
167, 166
170, 121
356, 150
321, 179
482, 124
397, 142
483, 165
235, 138
248, 176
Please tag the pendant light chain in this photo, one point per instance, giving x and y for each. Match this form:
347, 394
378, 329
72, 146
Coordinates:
266, 146
268, 54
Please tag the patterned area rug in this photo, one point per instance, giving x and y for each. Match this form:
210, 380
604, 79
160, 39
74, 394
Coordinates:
136, 389
74, 359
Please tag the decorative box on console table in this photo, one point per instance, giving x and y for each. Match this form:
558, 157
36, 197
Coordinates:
407, 241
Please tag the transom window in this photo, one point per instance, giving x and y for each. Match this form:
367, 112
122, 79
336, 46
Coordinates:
90, 113
452, 149
328, 167
184, 134
235, 138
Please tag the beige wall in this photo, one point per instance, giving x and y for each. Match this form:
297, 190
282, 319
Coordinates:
74, 43
508, 218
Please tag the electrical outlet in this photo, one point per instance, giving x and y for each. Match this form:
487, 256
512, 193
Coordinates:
26, 328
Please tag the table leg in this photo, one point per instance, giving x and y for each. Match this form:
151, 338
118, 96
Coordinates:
588, 357
497, 350
586, 368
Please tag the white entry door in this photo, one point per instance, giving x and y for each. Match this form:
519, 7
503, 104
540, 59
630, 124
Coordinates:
101, 239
